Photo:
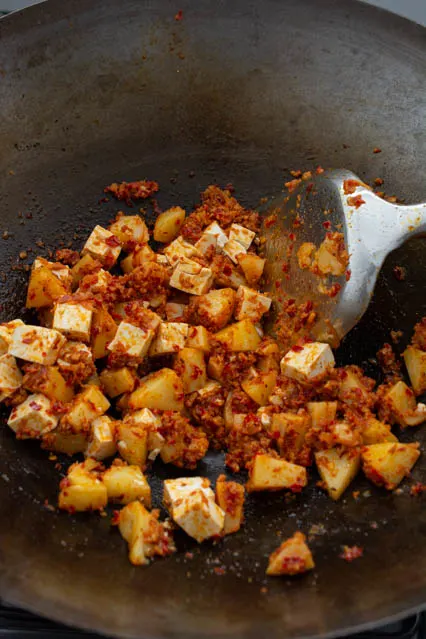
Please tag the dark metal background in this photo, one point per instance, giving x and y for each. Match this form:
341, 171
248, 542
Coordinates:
91, 92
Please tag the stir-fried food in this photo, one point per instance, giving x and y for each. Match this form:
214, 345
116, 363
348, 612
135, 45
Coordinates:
169, 357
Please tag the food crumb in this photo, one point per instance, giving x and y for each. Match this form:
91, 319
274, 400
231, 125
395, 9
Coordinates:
417, 489
377, 150
264, 590
350, 553
179, 15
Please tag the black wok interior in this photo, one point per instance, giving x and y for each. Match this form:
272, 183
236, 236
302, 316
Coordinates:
97, 91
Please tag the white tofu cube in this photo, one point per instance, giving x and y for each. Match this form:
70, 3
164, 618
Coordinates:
6, 332
232, 249
61, 271
103, 246
200, 517
33, 417
10, 376
73, 320
250, 304
206, 242
242, 235
177, 490
171, 338
179, 250
308, 362
191, 277
36, 344
131, 341
102, 443
218, 232
175, 311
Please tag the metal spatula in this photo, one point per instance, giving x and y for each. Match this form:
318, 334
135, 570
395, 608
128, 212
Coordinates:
372, 228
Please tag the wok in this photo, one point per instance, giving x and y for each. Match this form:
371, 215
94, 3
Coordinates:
96, 91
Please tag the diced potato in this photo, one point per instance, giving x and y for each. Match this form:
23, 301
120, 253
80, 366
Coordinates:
82, 489
290, 430
387, 464
62, 272
270, 473
402, 403
214, 310
49, 381
199, 338
146, 419
376, 432
322, 414
308, 362
168, 224
132, 443
251, 304
268, 363
162, 389
44, 288
415, 361
252, 266
230, 497
337, 468
141, 254
215, 367
103, 332
130, 230
291, 558
352, 390
102, 438
259, 386
126, 483
87, 264
63, 441
86, 407
116, 381
143, 532
241, 336
191, 368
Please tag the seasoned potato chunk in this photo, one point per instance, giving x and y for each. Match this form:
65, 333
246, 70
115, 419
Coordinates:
290, 430
241, 336
270, 473
82, 489
415, 361
291, 558
44, 288
199, 338
168, 224
103, 332
162, 390
259, 386
376, 432
402, 403
130, 230
230, 498
252, 266
337, 468
116, 381
387, 464
126, 483
49, 381
132, 443
191, 369
214, 309
86, 407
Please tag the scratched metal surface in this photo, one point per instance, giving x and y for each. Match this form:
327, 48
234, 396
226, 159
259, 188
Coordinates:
231, 93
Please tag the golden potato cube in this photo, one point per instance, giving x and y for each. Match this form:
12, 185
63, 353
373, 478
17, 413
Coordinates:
291, 558
230, 497
337, 468
415, 361
270, 473
168, 224
141, 254
376, 432
82, 489
199, 338
49, 381
241, 336
85, 265
387, 464
86, 406
259, 386
162, 390
103, 332
349, 383
252, 266
126, 483
214, 309
145, 535
116, 381
322, 414
61, 441
132, 443
290, 430
44, 288
402, 402
130, 230
191, 369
